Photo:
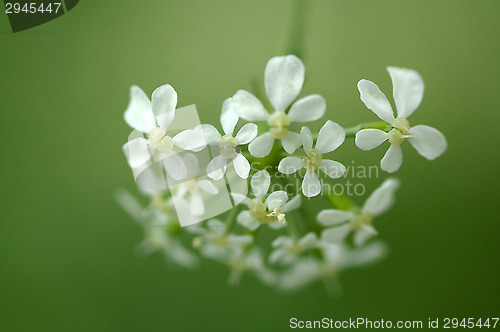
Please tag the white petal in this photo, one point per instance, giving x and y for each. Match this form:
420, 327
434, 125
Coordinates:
216, 168
382, 198
428, 141
282, 241
192, 140
137, 152
336, 234
212, 135
311, 186
277, 225
278, 255
375, 100
284, 77
163, 103
175, 167
247, 133
239, 198
392, 160
276, 199
229, 117
139, 114
292, 204
408, 89
333, 217
261, 146
330, 137
260, 183
240, 240
333, 169
361, 236
309, 108
192, 164
248, 107
290, 165
196, 206
216, 226
291, 142
241, 166
208, 187
309, 240
307, 138
367, 139
246, 220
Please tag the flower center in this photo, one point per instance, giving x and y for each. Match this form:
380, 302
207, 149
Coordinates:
395, 137
259, 212
158, 139
227, 146
279, 122
220, 240
192, 186
312, 160
360, 220
296, 249
402, 125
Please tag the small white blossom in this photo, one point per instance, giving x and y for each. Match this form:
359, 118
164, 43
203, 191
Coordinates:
214, 242
335, 259
284, 77
159, 231
359, 222
288, 250
270, 211
249, 262
153, 119
330, 137
229, 144
192, 186
408, 88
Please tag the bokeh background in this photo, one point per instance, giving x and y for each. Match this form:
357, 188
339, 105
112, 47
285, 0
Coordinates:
66, 248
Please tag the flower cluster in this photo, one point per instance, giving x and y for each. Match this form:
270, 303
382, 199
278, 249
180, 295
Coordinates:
266, 144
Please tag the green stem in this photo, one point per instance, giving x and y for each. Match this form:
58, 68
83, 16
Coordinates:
231, 218
296, 42
351, 132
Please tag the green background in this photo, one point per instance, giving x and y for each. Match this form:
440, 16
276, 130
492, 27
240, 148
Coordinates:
66, 248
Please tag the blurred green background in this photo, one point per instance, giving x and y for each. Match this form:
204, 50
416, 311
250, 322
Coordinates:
66, 248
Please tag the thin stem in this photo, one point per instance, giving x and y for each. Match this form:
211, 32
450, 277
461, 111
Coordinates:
296, 41
231, 218
351, 132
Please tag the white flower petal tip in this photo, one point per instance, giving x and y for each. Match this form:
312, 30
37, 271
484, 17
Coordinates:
309, 108
139, 114
229, 117
248, 107
408, 90
283, 79
260, 183
261, 146
330, 137
392, 160
247, 133
310, 185
375, 100
382, 198
367, 139
429, 142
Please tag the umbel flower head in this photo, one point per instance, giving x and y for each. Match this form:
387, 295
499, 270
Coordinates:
360, 221
153, 118
330, 137
283, 80
408, 89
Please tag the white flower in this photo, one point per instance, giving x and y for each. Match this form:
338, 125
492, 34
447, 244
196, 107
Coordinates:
288, 250
330, 137
335, 259
271, 211
192, 186
408, 88
158, 232
359, 222
216, 243
250, 261
153, 118
284, 77
228, 144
